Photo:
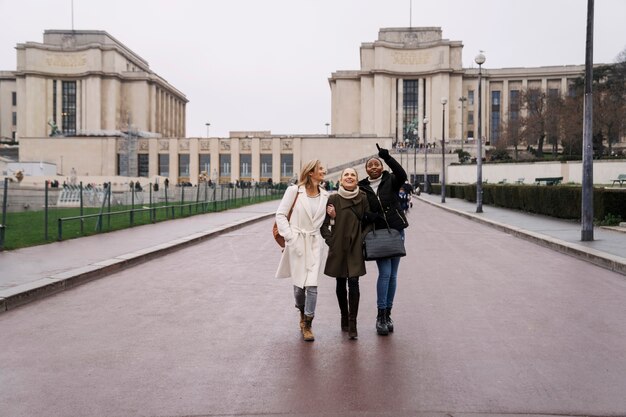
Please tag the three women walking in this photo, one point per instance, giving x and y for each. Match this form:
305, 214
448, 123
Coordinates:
324, 235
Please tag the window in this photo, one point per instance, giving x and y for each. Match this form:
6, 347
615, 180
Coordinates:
286, 165
409, 103
266, 165
14, 119
470, 134
54, 101
164, 164
245, 166
470, 117
205, 163
553, 92
470, 97
514, 104
122, 165
183, 165
224, 165
14, 98
68, 108
495, 117
143, 165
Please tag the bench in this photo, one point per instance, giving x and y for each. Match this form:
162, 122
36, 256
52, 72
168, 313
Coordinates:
548, 180
621, 178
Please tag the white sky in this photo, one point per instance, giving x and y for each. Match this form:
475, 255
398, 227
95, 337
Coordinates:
265, 64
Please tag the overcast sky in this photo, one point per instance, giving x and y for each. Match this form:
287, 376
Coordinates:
265, 64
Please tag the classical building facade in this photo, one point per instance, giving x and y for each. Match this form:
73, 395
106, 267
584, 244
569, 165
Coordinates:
85, 102
405, 74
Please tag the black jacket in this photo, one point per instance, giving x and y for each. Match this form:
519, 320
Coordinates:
387, 196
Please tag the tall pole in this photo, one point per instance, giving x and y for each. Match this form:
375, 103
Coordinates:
462, 100
415, 143
480, 60
444, 101
208, 126
425, 157
587, 189
327, 124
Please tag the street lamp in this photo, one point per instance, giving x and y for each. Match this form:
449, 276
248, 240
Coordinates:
327, 124
480, 60
425, 157
462, 100
444, 101
415, 140
208, 125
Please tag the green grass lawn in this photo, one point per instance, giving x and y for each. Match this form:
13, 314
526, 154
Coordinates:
25, 229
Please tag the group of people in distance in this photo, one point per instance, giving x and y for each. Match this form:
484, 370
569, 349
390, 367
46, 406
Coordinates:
324, 233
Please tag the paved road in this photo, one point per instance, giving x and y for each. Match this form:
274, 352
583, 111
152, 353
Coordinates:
486, 324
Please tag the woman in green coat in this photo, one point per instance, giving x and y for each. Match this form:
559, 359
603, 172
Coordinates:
343, 232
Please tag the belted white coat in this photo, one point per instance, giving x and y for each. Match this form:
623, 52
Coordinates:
305, 251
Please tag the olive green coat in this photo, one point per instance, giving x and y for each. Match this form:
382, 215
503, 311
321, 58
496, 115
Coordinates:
345, 237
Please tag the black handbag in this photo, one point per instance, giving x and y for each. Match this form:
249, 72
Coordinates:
383, 243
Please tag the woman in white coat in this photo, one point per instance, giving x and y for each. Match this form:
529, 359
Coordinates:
305, 251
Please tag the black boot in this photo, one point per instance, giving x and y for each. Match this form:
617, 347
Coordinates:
353, 301
388, 320
343, 307
381, 323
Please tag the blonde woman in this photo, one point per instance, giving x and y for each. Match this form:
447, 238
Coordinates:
343, 232
305, 252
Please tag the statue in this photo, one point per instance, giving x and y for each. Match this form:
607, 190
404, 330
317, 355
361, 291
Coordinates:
54, 129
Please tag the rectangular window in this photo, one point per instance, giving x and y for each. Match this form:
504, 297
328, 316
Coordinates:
68, 108
470, 97
286, 165
204, 160
470, 134
245, 166
495, 117
470, 117
266, 166
54, 101
13, 135
225, 165
514, 104
14, 119
410, 115
14, 98
143, 165
553, 92
122, 165
164, 164
183, 165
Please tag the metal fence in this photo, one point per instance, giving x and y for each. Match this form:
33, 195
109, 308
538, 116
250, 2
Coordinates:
35, 215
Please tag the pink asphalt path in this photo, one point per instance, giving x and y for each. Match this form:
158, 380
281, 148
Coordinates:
486, 324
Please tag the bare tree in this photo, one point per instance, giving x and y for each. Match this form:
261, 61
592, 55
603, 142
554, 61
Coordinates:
533, 124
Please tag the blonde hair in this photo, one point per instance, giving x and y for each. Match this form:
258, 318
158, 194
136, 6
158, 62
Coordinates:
309, 167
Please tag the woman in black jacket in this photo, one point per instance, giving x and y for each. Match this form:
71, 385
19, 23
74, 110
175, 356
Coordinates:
381, 188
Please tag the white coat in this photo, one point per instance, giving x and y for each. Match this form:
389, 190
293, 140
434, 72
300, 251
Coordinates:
305, 251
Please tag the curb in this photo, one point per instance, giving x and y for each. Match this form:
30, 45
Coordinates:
611, 262
23, 294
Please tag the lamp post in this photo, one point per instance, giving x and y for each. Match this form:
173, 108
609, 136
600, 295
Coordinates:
425, 157
480, 60
208, 125
462, 100
444, 101
327, 124
415, 141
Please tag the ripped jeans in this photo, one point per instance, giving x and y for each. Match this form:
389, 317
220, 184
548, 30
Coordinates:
306, 297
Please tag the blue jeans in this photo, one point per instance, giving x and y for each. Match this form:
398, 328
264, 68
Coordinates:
307, 298
387, 280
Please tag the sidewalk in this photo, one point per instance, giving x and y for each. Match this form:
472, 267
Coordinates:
32, 273
608, 249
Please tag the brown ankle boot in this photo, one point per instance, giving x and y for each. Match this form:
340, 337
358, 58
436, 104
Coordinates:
301, 317
307, 332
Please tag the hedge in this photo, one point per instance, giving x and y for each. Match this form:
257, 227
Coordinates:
561, 201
